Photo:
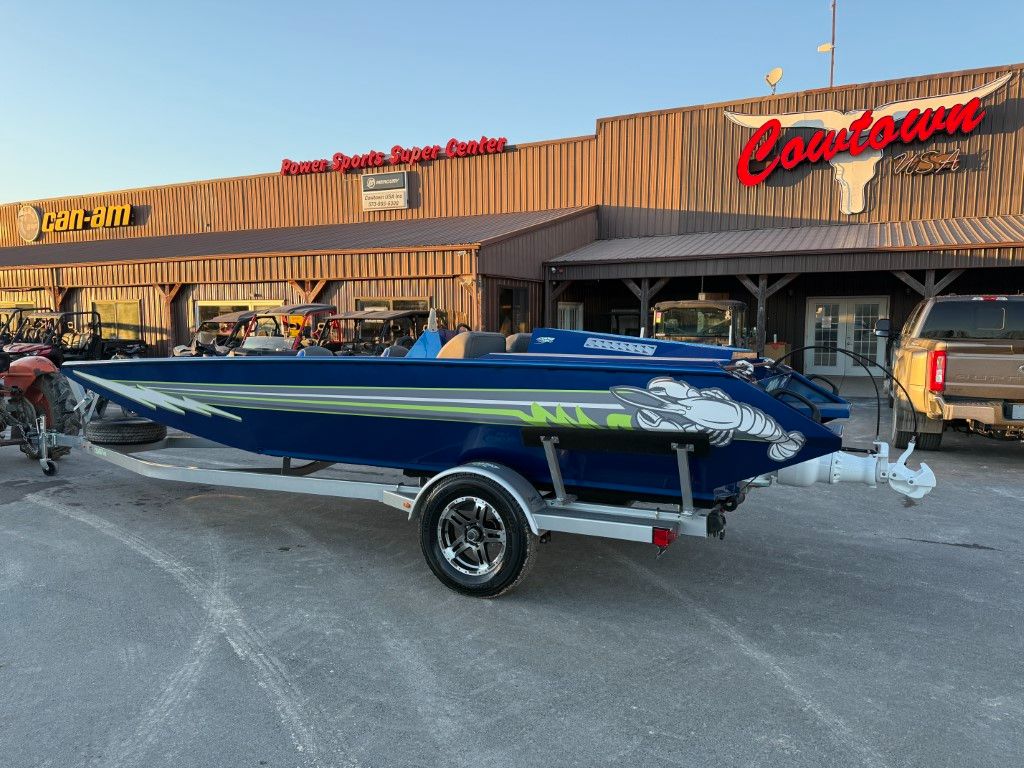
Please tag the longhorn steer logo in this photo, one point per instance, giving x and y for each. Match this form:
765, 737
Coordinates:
853, 142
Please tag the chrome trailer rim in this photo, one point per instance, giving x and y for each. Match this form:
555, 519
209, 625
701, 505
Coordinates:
471, 536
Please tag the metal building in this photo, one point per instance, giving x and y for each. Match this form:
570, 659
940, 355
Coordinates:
823, 210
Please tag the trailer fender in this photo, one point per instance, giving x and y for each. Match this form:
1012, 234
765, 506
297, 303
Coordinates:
519, 487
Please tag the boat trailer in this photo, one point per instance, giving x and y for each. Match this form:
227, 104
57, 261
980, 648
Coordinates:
480, 520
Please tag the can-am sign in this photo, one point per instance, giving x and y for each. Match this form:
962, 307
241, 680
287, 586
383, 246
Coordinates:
399, 155
31, 223
854, 142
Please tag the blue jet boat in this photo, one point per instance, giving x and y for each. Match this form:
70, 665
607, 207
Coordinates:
617, 406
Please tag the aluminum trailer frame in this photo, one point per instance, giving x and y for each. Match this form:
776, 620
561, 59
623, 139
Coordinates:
558, 511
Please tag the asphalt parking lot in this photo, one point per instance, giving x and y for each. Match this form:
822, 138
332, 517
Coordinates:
150, 624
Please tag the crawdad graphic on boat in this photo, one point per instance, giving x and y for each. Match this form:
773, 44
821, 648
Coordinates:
667, 404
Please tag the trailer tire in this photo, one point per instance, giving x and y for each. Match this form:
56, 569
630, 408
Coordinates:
475, 537
132, 431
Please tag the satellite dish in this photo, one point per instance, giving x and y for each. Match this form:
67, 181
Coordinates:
773, 77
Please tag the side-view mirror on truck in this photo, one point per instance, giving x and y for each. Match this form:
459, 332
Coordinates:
883, 327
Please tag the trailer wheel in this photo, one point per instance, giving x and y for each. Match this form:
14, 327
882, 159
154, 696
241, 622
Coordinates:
131, 431
475, 536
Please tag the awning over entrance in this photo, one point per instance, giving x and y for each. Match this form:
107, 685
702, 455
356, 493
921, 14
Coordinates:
842, 247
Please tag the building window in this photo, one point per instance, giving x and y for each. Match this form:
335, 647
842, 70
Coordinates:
570, 315
372, 302
119, 319
204, 310
10, 317
513, 310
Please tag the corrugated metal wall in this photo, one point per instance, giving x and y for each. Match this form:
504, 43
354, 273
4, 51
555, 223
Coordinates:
184, 302
675, 171
654, 173
227, 270
523, 256
455, 295
35, 298
150, 307
529, 177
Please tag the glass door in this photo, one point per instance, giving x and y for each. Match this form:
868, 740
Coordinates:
570, 315
848, 323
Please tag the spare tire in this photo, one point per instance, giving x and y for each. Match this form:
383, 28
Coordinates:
132, 431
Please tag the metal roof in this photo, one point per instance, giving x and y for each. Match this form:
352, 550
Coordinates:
330, 238
293, 309
230, 317
380, 314
947, 234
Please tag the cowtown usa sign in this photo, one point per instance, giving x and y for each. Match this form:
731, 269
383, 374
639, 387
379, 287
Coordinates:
853, 142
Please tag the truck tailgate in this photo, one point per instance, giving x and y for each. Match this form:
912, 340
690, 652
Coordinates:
986, 370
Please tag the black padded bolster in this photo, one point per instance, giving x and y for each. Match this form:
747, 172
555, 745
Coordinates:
616, 441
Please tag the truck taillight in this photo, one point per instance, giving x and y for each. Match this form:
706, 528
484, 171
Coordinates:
937, 370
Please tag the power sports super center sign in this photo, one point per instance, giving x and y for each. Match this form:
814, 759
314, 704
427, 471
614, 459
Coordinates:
399, 155
853, 142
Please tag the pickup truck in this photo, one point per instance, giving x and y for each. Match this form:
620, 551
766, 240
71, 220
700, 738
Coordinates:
961, 361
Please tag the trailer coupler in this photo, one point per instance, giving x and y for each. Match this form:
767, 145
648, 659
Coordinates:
871, 469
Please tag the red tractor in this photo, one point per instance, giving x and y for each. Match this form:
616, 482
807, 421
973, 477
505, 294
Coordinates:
34, 394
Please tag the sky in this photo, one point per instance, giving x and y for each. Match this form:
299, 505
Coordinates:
109, 95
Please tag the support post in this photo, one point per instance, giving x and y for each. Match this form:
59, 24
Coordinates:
57, 295
167, 294
762, 291
685, 486
929, 283
554, 468
645, 306
762, 315
645, 292
313, 293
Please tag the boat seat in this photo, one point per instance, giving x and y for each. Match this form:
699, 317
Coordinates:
518, 342
472, 344
314, 351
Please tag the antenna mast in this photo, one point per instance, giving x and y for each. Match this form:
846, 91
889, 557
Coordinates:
832, 51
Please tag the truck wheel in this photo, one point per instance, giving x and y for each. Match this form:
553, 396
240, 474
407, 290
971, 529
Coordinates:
475, 536
134, 431
57, 403
900, 437
929, 441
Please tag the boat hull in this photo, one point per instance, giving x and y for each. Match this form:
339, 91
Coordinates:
426, 416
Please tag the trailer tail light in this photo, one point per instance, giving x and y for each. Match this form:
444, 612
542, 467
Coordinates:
937, 370
662, 537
